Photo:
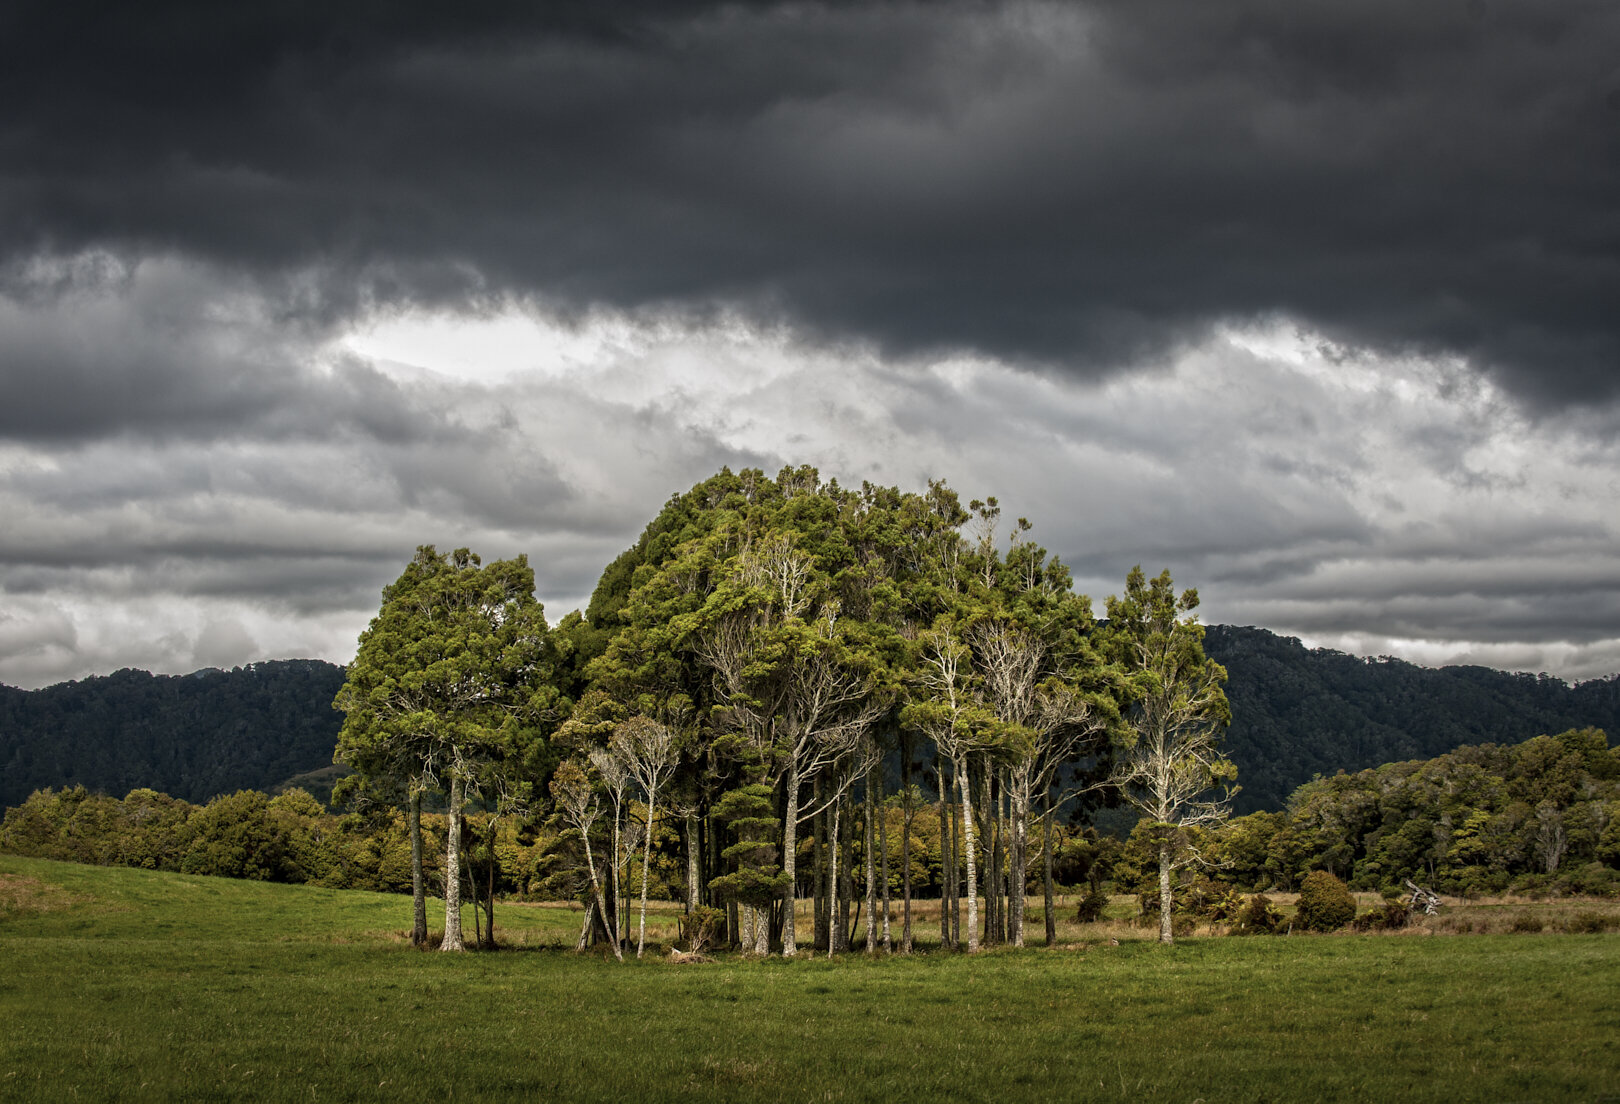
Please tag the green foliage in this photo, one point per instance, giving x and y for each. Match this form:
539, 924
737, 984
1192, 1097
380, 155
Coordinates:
700, 927
1092, 906
1259, 917
757, 878
1389, 916
1325, 903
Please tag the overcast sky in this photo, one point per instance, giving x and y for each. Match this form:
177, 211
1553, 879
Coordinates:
1315, 303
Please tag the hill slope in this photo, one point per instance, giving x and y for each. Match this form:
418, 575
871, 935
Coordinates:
191, 736
1297, 712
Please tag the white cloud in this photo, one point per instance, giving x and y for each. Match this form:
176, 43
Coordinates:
1377, 504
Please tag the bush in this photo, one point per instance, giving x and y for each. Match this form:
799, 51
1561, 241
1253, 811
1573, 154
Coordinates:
1259, 917
698, 927
1325, 904
1092, 906
1389, 916
1591, 923
1525, 922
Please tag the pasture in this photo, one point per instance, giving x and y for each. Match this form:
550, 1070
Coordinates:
131, 985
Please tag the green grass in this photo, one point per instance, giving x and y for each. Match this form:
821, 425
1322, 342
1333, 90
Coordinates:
128, 985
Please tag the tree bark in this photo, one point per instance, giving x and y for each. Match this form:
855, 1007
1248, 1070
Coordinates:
790, 862
871, 870
692, 865
964, 785
883, 875
905, 845
833, 925
947, 857
452, 869
646, 862
1046, 859
1165, 934
1016, 875
419, 936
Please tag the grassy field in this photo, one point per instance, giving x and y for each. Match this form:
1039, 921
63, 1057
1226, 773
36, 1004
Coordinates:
128, 985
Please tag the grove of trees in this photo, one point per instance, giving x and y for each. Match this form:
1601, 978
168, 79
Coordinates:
792, 690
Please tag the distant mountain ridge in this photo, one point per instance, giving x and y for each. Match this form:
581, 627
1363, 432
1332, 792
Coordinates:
1297, 712
191, 736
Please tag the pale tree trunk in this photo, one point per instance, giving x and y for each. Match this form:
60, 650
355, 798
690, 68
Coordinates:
905, 848
883, 875
965, 787
1165, 935
691, 863
646, 862
1015, 877
790, 864
947, 856
601, 900
762, 932
585, 929
418, 881
871, 872
833, 923
1046, 858
818, 859
452, 870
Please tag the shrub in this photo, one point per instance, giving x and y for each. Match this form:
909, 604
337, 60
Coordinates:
1324, 903
1091, 906
1259, 917
1525, 922
699, 926
1591, 923
1389, 916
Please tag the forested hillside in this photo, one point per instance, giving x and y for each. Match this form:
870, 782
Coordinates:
1298, 712
189, 736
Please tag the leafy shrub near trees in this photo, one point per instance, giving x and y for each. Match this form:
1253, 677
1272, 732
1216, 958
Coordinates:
1325, 903
1259, 917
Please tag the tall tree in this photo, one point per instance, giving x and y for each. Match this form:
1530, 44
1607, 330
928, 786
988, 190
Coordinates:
450, 682
1173, 771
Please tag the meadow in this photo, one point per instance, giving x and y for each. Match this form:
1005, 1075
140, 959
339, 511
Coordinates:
123, 984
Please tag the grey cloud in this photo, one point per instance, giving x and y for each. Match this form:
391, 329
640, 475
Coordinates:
1088, 185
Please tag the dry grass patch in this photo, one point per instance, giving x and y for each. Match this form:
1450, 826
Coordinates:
24, 896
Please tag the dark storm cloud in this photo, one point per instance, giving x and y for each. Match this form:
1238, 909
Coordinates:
1086, 185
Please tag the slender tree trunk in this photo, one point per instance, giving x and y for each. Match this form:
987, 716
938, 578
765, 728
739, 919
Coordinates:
1046, 859
478, 916
832, 883
992, 856
489, 897
883, 875
1016, 876
947, 860
868, 857
419, 936
790, 862
601, 900
964, 785
905, 845
955, 934
818, 859
1165, 935
847, 914
646, 863
585, 929
692, 865
452, 869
